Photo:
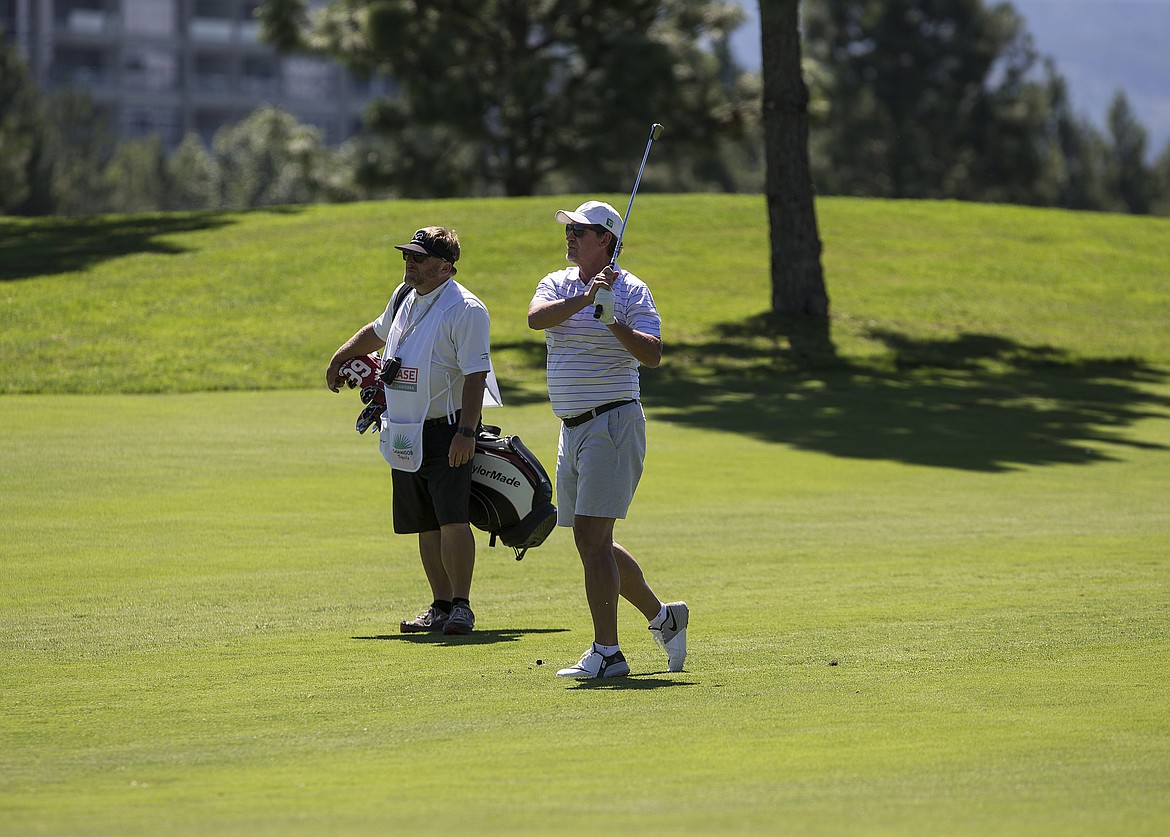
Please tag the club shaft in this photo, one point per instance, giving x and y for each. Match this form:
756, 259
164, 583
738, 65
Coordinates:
655, 131
633, 194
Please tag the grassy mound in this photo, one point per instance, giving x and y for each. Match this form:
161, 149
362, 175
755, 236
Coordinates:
182, 303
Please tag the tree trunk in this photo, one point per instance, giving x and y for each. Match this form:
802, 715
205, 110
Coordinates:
798, 283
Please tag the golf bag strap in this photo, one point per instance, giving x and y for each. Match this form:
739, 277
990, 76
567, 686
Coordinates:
520, 553
399, 297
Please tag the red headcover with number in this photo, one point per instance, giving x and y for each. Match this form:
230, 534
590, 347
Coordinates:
361, 372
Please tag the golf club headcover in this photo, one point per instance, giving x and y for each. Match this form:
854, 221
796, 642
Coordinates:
370, 416
603, 306
361, 371
374, 397
374, 394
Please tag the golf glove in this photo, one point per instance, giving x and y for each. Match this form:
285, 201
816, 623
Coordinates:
604, 303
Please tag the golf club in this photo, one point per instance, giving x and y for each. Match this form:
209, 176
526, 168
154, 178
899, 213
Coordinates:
655, 133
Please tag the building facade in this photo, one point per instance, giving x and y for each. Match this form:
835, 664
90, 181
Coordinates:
173, 67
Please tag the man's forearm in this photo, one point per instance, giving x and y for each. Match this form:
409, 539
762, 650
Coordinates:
549, 314
646, 348
472, 404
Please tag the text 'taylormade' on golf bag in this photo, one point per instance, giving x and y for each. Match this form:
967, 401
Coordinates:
511, 494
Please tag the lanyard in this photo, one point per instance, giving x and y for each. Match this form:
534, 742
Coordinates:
412, 326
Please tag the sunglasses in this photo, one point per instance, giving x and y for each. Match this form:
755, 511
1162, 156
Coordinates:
578, 230
417, 258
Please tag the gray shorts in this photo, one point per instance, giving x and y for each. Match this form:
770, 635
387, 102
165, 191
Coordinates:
599, 464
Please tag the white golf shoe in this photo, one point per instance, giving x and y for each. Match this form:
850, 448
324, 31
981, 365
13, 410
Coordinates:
594, 664
671, 634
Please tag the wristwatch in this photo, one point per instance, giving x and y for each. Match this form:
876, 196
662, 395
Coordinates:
466, 431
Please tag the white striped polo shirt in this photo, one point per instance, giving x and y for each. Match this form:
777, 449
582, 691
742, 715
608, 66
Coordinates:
587, 365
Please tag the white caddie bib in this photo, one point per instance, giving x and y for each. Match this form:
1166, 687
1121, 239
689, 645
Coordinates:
401, 444
412, 338
408, 396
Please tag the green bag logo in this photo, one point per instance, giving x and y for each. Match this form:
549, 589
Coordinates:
401, 442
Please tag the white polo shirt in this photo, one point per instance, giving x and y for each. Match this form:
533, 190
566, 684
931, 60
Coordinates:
587, 365
463, 344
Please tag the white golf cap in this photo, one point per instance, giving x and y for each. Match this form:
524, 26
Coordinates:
594, 213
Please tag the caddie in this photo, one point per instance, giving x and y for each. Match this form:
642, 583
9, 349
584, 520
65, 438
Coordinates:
437, 374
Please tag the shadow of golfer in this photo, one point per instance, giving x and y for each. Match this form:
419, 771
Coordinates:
631, 681
474, 638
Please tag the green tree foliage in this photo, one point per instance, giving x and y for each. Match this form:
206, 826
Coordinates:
193, 176
1129, 178
57, 156
284, 23
414, 160
949, 99
1076, 154
20, 128
940, 98
502, 96
76, 147
1161, 176
52, 148
270, 159
927, 98
135, 178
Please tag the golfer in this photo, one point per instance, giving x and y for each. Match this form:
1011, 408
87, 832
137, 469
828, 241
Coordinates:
593, 386
437, 373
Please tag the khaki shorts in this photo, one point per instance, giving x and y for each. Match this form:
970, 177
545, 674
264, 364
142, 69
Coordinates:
599, 464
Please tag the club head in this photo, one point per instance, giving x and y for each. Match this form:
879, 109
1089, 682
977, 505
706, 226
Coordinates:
655, 131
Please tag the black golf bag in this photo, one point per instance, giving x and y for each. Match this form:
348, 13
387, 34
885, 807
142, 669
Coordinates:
511, 494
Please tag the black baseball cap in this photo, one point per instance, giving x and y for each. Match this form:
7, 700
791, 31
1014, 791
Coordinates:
425, 241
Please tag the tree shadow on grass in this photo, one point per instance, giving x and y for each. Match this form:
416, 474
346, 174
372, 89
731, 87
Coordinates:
48, 246
476, 638
977, 402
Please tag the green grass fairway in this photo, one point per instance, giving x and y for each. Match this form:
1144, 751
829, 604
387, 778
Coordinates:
199, 634
927, 552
